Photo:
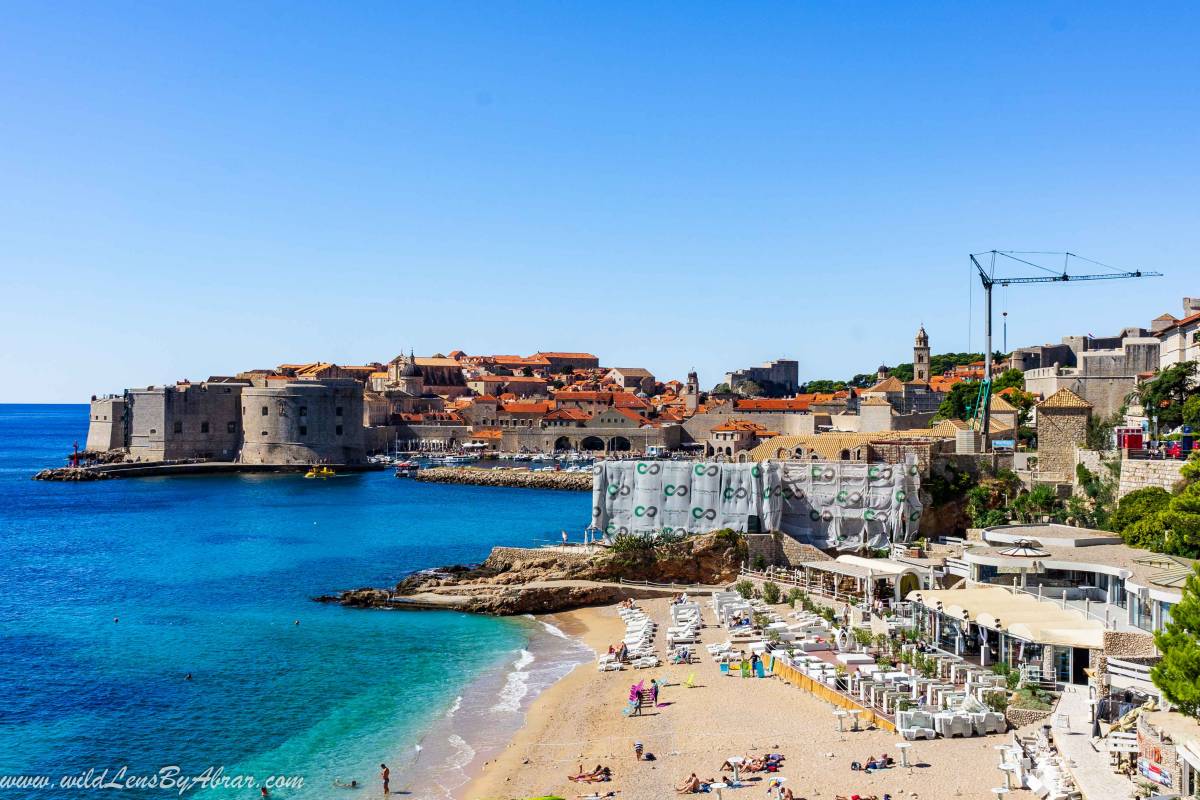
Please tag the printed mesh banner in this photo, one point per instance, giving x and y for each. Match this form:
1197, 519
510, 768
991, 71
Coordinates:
829, 504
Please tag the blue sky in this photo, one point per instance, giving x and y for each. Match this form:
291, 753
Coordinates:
195, 189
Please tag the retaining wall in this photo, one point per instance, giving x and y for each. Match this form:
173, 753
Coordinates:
1141, 473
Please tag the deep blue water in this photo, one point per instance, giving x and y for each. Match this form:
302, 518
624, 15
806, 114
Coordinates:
208, 575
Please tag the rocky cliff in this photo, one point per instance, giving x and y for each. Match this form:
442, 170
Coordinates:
531, 581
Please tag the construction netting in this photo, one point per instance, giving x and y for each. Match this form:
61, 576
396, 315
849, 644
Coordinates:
829, 504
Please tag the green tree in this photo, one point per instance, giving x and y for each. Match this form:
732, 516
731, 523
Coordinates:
1137, 505
1010, 378
1191, 410
823, 386
1165, 396
960, 402
1178, 673
721, 388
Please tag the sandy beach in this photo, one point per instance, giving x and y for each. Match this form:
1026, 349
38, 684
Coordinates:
578, 721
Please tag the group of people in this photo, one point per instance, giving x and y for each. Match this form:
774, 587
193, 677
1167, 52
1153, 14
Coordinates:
598, 775
771, 762
872, 764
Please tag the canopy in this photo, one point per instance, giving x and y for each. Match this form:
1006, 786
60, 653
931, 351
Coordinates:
1020, 615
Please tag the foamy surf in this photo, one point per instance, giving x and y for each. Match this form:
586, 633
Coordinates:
516, 686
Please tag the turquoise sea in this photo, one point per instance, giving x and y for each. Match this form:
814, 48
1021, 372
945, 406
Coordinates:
111, 592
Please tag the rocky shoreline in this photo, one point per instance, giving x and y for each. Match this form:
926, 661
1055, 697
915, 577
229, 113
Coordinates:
71, 474
515, 478
546, 580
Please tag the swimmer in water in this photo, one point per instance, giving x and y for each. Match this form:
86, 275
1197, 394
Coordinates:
341, 784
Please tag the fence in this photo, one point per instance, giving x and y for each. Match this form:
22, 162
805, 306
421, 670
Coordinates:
795, 677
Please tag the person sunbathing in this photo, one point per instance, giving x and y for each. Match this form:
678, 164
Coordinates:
598, 775
689, 786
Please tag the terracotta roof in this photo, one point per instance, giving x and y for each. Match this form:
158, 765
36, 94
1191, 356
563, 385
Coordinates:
829, 446
633, 372
486, 398
998, 403
1179, 323
486, 433
875, 400
571, 414
633, 415
1064, 398
889, 384
740, 425
627, 400
941, 383
595, 397
527, 408
436, 362
563, 355
382, 374
798, 403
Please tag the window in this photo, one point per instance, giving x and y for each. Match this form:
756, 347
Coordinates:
338, 430
338, 411
153, 431
304, 411
264, 411
304, 430
231, 427
264, 433
178, 426
204, 427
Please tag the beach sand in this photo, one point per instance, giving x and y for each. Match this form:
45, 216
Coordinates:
578, 721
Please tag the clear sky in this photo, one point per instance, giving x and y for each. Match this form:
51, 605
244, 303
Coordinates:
196, 189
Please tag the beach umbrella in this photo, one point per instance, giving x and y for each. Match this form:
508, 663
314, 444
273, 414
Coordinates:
1024, 548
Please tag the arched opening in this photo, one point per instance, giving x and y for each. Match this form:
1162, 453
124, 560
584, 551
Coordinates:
799, 452
562, 443
591, 443
728, 450
909, 582
743, 457
619, 444
844, 455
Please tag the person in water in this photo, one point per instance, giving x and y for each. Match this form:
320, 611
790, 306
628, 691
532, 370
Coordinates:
340, 784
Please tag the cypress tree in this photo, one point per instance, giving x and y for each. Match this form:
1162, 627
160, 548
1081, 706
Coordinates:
1178, 673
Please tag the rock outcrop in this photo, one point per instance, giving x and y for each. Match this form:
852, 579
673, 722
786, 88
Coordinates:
70, 474
536, 581
518, 478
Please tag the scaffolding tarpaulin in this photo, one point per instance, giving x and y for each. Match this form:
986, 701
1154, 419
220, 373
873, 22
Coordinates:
829, 504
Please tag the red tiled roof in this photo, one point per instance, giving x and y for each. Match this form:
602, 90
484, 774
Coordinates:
527, 408
773, 404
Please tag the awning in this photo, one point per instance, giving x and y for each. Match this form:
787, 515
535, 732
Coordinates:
1020, 615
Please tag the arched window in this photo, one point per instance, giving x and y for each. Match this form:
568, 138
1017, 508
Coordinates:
845, 455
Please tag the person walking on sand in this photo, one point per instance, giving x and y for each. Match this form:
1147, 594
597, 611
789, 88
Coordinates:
637, 750
385, 775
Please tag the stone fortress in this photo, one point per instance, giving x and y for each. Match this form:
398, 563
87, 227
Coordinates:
319, 412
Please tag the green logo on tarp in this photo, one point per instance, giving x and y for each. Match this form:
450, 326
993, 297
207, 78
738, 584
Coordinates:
698, 469
612, 490
669, 490
814, 515
639, 511
873, 472
868, 514
641, 468
756, 470
697, 513
900, 495
728, 493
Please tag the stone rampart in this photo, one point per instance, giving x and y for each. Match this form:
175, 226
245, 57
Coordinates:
1141, 473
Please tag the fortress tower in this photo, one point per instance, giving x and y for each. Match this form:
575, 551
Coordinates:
921, 356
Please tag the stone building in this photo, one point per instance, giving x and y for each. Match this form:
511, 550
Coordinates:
106, 424
635, 379
1102, 370
1179, 338
184, 421
303, 422
782, 374
1062, 421
735, 436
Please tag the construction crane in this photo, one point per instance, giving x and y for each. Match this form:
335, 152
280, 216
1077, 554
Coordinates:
988, 277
